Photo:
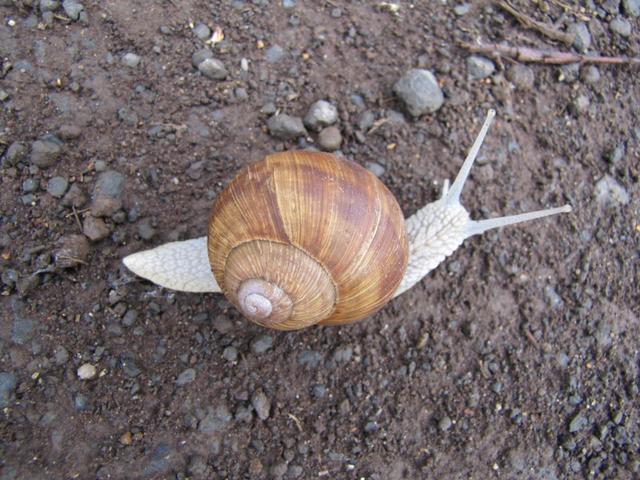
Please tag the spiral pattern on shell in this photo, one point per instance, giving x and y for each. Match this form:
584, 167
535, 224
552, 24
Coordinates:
301, 238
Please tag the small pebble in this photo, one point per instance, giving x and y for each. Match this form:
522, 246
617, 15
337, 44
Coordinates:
57, 187
578, 423
582, 36
145, 229
261, 344
131, 59
95, 229
72, 9
330, 139
15, 153
46, 151
230, 354
87, 371
8, 383
200, 55
216, 420
375, 168
69, 132
212, 68
631, 7
80, 402
419, 91
479, 67
72, 251
107, 194
185, 377
60, 355
30, 185
321, 114
274, 54
126, 438
445, 424
261, 404
580, 105
286, 127
621, 26
609, 192
49, 5
462, 9
75, 197
591, 74
202, 31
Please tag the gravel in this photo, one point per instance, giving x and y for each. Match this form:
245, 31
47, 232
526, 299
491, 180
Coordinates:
69, 132
186, 376
95, 229
60, 355
261, 404
330, 139
57, 187
321, 114
72, 251
30, 185
479, 67
609, 192
49, 5
621, 26
274, 54
578, 422
631, 7
46, 151
261, 344
286, 127
375, 168
15, 153
582, 36
72, 9
8, 383
200, 55
590, 74
230, 354
419, 91
131, 59
146, 230
309, 358
216, 420
212, 68
445, 424
202, 31
107, 194
75, 197
87, 371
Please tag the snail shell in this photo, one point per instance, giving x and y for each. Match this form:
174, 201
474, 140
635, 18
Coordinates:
303, 238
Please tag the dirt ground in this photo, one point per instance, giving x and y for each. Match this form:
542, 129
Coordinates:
517, 358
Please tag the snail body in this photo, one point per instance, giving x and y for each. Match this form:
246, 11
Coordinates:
304, 238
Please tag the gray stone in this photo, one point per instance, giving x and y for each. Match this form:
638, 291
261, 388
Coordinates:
107, 194
419, 91
582, 37
631, 7
49, 5
72, 9
202, 31
130, 59
75, 197
462, 9
288, 3
216, 420
60, 355
330, 139
158, 461
222, 324
591, 74
145, 229
479, 67
95, 229
8, 383
69, 132
4, 95
578, 422
72, 251
343, 354
80, 402
230, 354
46, 151
261, 344
128, 116
30, 185
609, 192
445, 424
129, 365
580, 105
366, 120
186, 376
611, 6
22, 329
261, 404
57, 187
621, 26
321, 114
15, 153
286, 127
212, 68
199, 56
274, 54
309, 358
130, 318
375, 168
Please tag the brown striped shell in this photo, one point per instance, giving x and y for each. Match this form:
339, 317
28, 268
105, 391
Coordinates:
301, 238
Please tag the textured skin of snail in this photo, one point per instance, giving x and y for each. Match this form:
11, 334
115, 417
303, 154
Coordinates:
303, 238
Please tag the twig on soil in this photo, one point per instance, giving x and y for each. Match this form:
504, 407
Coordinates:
296, 420
529, 22
548, 57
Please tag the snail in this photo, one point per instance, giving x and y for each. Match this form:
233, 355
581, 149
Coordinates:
303, 238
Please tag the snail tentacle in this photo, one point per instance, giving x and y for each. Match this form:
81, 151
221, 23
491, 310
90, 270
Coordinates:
439, 228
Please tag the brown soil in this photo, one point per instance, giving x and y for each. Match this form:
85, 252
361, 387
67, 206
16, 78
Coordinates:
516, 358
